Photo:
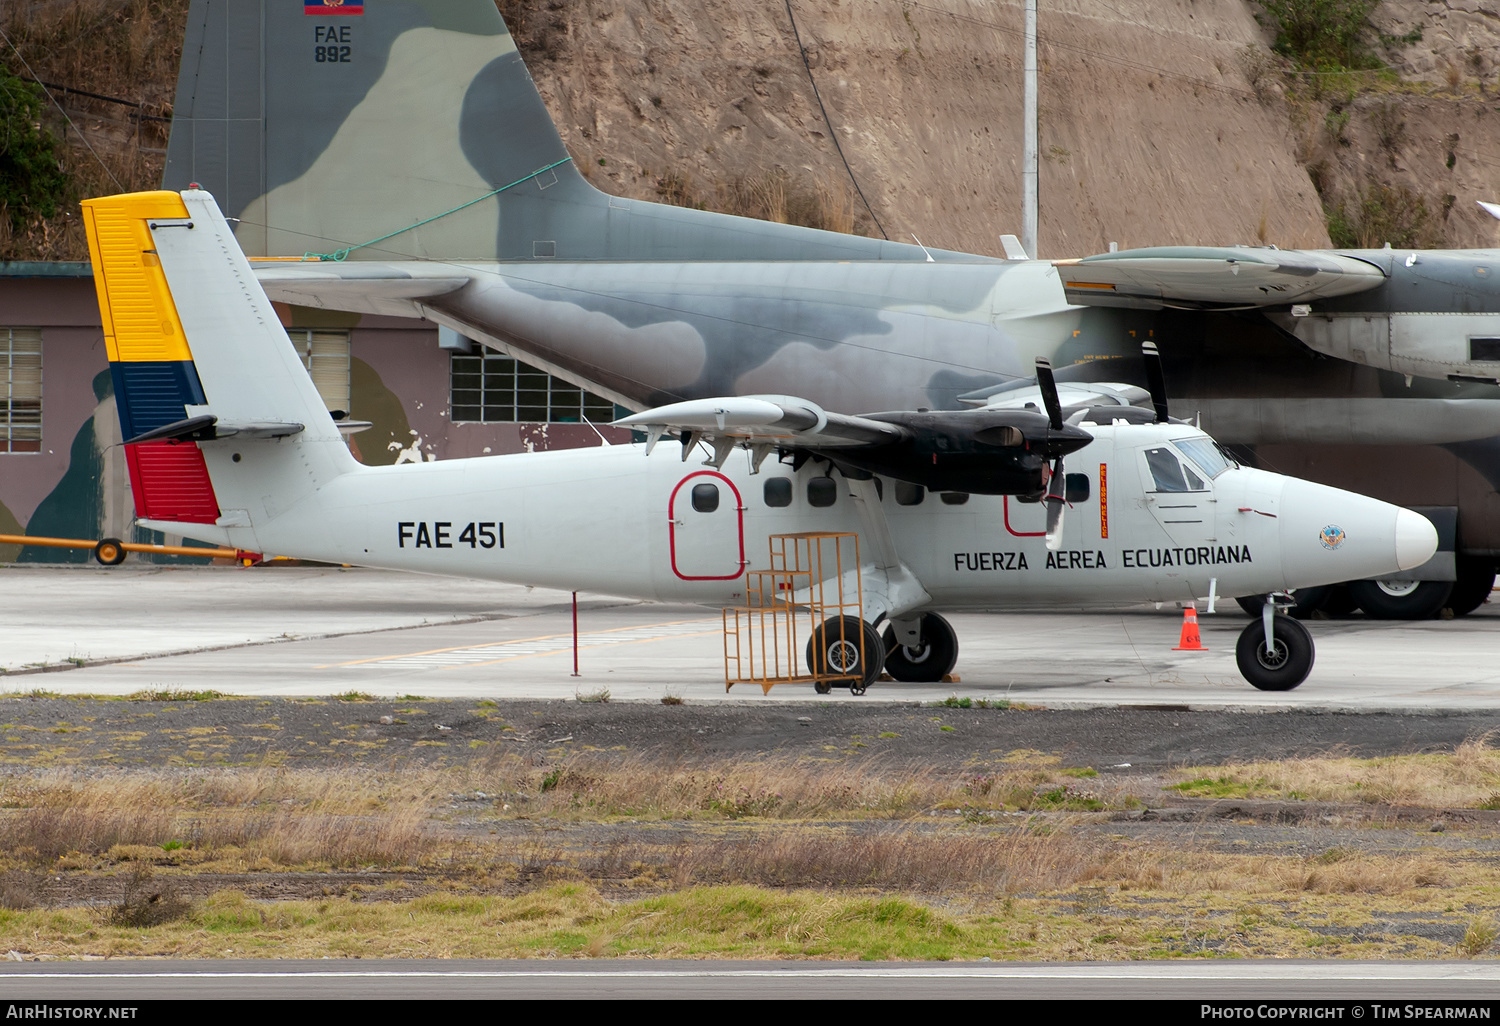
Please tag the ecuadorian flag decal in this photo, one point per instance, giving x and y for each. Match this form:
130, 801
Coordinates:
155, 379
331, 7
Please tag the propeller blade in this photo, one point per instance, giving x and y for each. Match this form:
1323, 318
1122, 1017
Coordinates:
1156, 380
1048, 385
1056, 500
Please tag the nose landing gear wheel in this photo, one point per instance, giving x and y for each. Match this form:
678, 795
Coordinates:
836, 648
1286, 665
930, 661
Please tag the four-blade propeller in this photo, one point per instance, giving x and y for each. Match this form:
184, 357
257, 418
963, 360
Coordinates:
1057, 489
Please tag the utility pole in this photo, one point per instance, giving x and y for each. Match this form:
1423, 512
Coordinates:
1029, 152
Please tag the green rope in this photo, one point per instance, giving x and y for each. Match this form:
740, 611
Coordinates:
340, 254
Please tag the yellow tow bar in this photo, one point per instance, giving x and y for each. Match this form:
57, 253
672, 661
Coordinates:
111, 551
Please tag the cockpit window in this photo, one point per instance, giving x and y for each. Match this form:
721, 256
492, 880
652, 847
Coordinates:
1169, 473
1205, 452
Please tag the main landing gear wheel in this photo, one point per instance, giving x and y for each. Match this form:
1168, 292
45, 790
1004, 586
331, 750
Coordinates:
1401, 600
1286, 665
110, 552
835, 648
930, 661
1475, 582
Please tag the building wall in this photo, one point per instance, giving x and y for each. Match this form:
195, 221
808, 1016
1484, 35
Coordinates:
77, 487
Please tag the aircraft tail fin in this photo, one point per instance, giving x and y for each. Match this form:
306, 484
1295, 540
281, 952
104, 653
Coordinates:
411, 129
198, 354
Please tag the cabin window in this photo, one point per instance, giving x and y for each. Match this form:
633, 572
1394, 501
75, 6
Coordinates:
1076, 487
1205, 452
821, 491
955, 498
705, 497
778, 492
325, 354
20, 390
1169, 474
488, 388
908, 494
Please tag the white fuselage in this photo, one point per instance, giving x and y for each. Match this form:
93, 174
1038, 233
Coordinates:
613, 520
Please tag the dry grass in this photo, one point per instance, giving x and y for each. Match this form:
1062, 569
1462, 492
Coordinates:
886, 859
1467, 778
776, 859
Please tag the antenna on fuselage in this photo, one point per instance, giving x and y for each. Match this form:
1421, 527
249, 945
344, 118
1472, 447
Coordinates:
1156, 380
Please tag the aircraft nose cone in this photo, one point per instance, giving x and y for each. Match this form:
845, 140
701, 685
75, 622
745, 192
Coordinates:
1416, 539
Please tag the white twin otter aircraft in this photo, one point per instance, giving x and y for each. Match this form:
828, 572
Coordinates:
228, 440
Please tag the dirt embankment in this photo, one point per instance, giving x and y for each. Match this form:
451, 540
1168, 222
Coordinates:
1146, 114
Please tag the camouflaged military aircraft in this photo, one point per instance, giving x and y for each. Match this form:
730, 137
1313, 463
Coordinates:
226, 438
403, 153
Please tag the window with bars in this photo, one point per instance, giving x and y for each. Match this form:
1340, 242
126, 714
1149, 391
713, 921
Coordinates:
325, 354
20, 390
492, 389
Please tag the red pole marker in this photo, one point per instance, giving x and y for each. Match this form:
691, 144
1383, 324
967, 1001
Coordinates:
575, 634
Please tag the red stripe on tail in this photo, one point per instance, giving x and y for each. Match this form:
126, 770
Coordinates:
170, 482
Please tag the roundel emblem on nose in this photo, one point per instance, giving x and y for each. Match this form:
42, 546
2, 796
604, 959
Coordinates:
1331, 536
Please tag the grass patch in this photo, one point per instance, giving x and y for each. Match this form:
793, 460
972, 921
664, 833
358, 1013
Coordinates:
355, 696
954, 702
1469, 777
575, 919
173, 695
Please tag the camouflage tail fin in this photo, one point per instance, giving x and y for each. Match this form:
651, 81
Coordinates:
411, 129
328, 124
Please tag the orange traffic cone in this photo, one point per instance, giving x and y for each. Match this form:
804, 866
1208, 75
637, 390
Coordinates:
1190, 641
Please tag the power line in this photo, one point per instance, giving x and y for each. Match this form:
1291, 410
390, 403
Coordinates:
831, 133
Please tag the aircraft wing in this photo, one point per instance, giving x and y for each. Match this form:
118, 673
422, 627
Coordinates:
989, 451
1208, 278
772, 420
357, 286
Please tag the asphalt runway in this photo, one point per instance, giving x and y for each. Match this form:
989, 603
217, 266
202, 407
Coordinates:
323, 631
1449, 983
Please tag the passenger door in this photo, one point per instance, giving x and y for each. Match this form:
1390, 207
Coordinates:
706, 528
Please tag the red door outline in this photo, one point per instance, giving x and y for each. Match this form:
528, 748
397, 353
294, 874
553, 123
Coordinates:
739, 513
1012, 530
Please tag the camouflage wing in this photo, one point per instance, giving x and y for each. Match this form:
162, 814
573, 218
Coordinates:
1208, 278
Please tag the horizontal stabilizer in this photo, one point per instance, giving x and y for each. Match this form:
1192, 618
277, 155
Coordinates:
207, 427
1207, 278
355, 286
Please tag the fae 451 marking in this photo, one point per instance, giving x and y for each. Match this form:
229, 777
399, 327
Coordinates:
439, 534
